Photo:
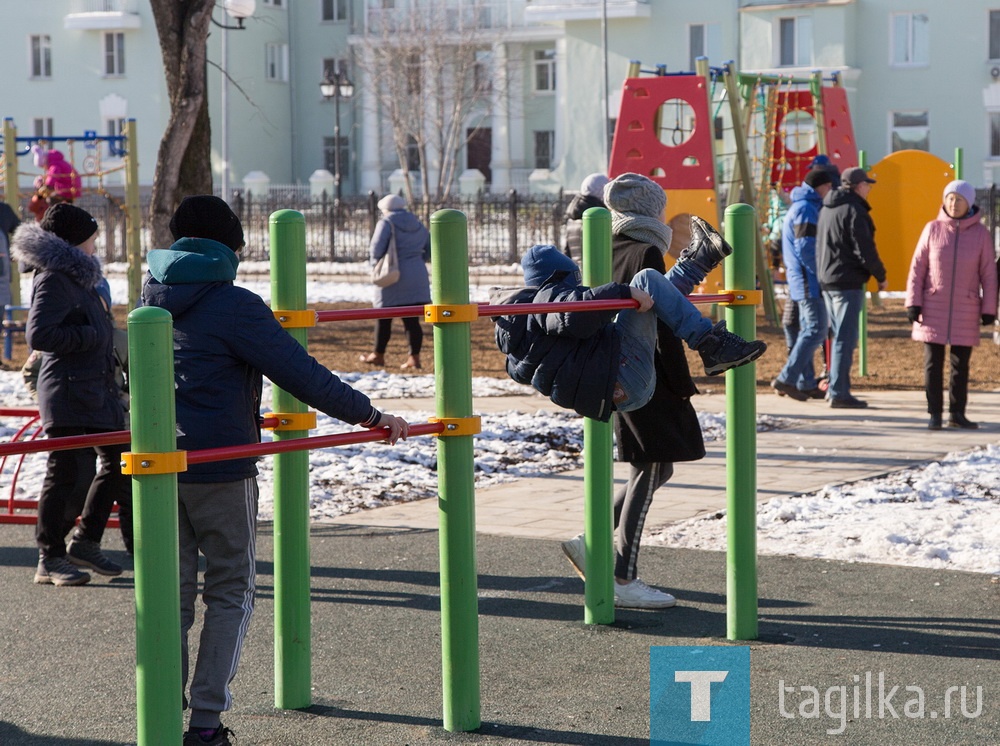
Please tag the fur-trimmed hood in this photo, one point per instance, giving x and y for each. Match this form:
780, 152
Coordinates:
38, 250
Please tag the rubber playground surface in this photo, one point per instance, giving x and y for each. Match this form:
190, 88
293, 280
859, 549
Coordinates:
830, 633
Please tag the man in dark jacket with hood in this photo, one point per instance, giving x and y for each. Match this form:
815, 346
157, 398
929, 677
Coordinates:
225, 337
846, 258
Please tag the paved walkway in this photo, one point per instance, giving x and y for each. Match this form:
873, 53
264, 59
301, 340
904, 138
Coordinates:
815, 446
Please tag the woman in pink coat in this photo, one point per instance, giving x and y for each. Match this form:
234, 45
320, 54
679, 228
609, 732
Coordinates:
951, 289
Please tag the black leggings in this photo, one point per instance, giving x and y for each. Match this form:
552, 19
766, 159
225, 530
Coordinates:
414, 334
958, 382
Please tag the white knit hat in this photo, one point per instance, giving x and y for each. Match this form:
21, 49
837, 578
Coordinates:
963, 189
391, 203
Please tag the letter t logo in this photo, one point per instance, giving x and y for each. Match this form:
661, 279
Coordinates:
701, 691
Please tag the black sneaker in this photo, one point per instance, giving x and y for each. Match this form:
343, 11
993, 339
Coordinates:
86, 553
848, 402
59, 571
786, 389
707, 248
721, 350
208, 737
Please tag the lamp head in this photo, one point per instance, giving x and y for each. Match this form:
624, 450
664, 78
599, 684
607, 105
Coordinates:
239, 9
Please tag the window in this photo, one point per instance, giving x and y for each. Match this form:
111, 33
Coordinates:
910, 42
545, 69
704, 40
276, 62
334, 10
333, 65
995, 34
413, 74
544, 147
41, 56
329, 157
412, 154
482, 72
910, 131
114, 128
994, 134
114, 54
42, 127
275, 3
795, 41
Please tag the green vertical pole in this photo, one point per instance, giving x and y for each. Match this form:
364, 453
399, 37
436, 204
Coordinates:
133, 214
863, 314
11, 197
157, 572
292, 625
741, 436
456, 499
959, 166
598, 471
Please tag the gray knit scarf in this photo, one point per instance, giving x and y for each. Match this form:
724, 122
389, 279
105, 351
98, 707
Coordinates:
641, 228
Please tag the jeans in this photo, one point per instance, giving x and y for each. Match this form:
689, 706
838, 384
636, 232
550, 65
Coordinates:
637, 372
799, 371
844, 306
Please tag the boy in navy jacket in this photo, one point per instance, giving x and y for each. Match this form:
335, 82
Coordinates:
591, 361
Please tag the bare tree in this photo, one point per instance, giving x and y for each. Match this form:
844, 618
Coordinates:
183, 163
430, 71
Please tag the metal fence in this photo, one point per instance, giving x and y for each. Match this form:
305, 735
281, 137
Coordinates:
501, 227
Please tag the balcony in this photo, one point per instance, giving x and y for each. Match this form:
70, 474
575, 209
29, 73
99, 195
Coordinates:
454, 16
586, 10
103, 15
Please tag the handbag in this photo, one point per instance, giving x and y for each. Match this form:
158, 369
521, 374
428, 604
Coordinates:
386, 269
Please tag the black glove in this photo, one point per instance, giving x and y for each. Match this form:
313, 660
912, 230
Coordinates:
989, 318
913, 313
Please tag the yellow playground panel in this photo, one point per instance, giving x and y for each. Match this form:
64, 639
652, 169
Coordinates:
681, 205
906, 197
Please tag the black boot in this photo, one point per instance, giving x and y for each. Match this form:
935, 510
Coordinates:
707, 248
960, 422
935, 423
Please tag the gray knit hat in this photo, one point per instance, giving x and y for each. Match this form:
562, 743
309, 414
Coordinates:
637, 195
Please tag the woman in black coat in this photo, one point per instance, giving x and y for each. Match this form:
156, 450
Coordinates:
70, 324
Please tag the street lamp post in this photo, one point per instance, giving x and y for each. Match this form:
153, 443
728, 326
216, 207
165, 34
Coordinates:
336, 85
238, 10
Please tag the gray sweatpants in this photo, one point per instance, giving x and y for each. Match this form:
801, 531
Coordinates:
220, 521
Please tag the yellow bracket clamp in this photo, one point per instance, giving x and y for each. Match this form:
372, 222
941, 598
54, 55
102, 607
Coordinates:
442, 313
296, 319
744, 298
459, 425
168, 462
293, 421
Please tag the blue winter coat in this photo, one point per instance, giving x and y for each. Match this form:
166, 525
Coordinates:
413, 247
225, 337
798, 243
572, 358
69, 322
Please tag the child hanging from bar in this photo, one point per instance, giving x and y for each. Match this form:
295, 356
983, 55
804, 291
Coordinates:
594, 362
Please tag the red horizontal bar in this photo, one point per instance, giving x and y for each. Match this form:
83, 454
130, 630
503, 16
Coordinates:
18, 412
508, 309
65, 444
301, 444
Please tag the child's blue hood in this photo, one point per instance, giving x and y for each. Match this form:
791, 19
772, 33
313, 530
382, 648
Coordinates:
542, 260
